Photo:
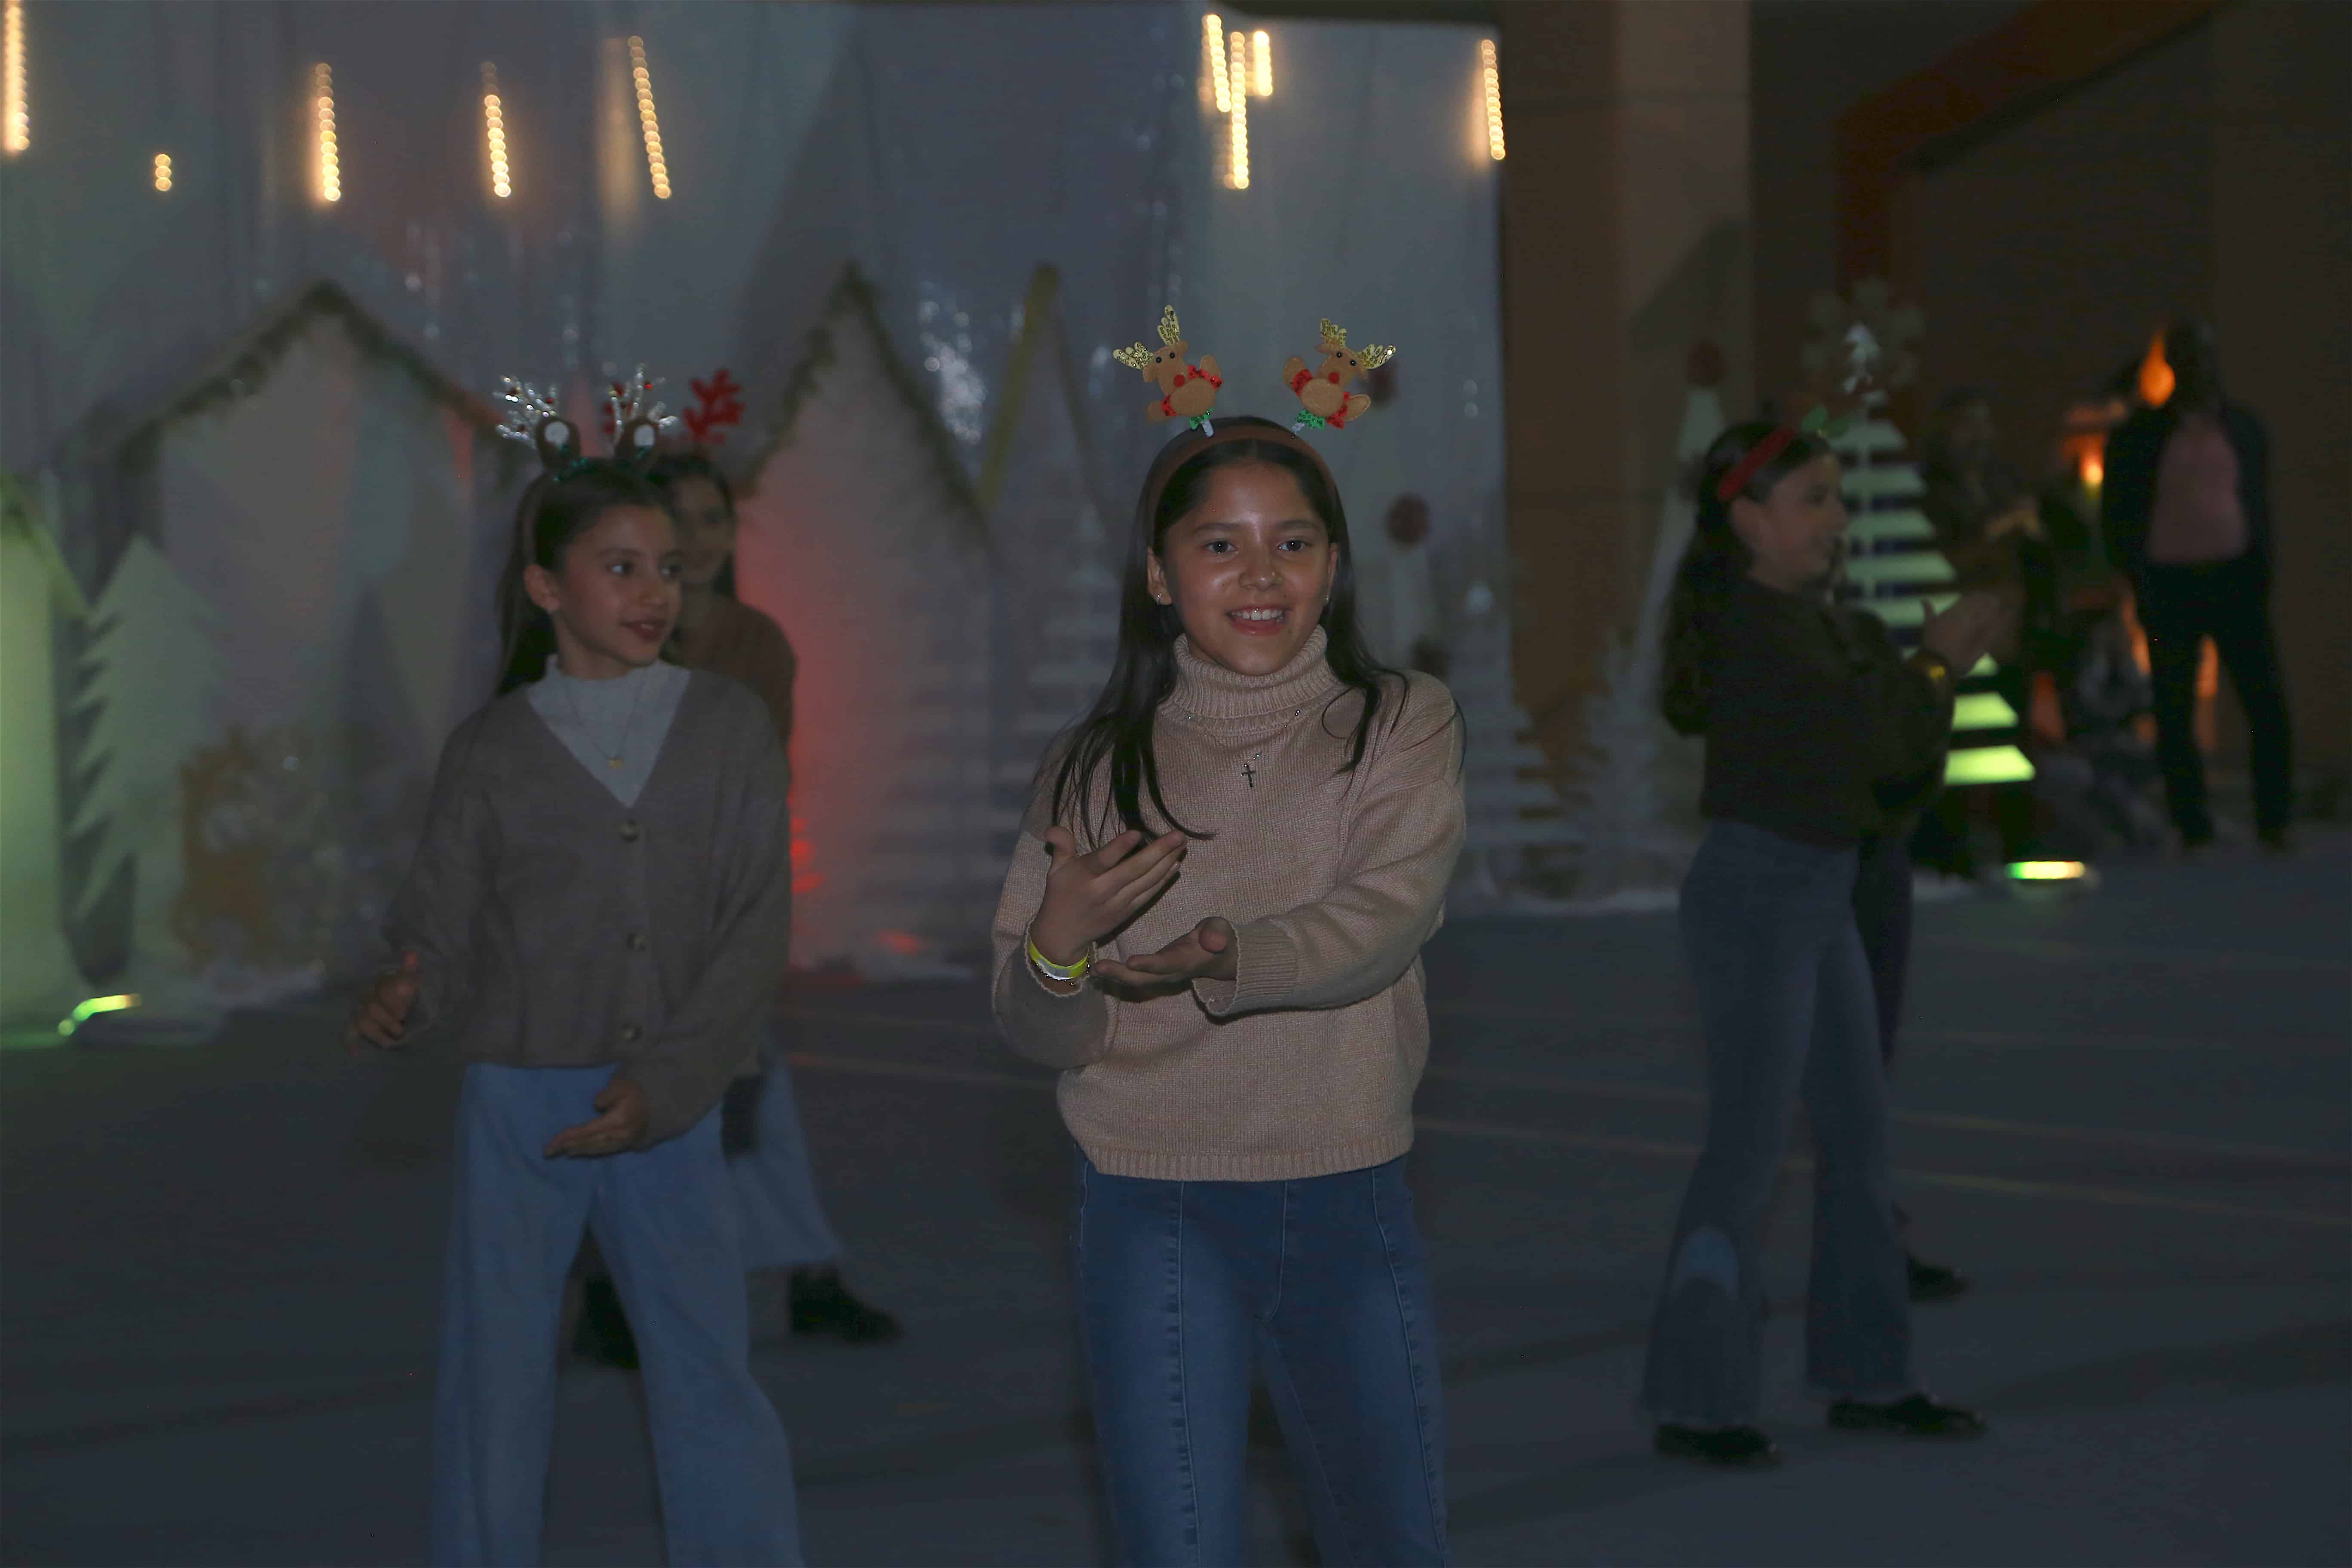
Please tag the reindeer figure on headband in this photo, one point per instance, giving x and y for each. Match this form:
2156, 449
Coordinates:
1186, 391
1323, 395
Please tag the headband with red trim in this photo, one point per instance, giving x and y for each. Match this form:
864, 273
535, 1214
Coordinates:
1816, 422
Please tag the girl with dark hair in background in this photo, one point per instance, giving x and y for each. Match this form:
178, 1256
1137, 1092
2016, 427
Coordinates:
784, 1222
1817, 731
596, 918
1241, 1046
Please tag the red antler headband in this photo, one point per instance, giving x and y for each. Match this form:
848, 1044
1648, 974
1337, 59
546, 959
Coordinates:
1815, 423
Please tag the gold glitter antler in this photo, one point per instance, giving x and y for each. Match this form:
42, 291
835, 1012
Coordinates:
1135, 356
1170, 332
1375, 355
1334, 335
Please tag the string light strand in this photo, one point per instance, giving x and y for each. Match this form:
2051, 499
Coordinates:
163, 171
1237, 169
1216, 89
1261, 65
15, 113
494, 129
1491, 74
322, 98
648, 120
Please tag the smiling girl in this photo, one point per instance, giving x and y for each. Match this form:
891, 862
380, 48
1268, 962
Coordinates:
1213, 924
1817, 731
596, 918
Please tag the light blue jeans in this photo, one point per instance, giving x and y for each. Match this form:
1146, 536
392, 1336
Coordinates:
1785, 997
784, 1224
664, 1219
1186, 1288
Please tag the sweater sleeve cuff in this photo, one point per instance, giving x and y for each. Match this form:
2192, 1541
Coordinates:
1058, 1029
1265, 965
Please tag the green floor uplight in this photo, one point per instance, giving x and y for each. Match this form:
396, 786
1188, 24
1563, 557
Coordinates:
1987, 765
2046, 871
92, 1008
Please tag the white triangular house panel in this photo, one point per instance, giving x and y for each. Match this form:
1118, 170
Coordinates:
860, 538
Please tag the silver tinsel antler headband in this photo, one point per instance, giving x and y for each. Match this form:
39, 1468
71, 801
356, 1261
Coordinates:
532, 417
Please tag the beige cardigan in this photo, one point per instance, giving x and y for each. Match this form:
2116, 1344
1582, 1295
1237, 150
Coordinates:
1305, 1065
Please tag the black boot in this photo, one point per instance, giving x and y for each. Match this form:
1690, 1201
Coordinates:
605, 1336
1933, 1281
1734, 1447
822, 1304
1913, 1415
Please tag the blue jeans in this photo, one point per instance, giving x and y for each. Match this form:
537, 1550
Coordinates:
1785, 997
784, 1224
1183, 1286
665, 1221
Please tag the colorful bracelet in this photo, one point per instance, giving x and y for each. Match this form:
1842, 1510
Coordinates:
1067, 974
1933, 665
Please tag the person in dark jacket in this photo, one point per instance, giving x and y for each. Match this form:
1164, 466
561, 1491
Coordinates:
2186, 514
1818, 733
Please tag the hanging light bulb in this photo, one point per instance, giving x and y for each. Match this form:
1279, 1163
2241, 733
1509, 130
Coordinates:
1237, 119
646, 119
323, 103
163, 171
1261, 65
1490, 73
16, 116
494, 130
1217, 92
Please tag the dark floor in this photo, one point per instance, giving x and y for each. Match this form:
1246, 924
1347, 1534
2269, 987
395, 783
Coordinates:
2125, 1115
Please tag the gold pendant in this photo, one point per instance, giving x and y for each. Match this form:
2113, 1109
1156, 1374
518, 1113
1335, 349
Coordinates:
612, 761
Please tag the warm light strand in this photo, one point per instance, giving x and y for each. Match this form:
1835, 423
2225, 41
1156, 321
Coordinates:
1216, 90
15, 115
1491, 71
494, 128
162, 171
1261, 65
331, 167
655, 164
1238, 95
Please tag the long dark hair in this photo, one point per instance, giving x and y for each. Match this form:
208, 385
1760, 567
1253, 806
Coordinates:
697, 464
1117, 731
553, 512
1716, 563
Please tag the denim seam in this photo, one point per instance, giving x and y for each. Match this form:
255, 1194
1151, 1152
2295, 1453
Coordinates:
1414, 1364
1280, 1363
1191, 1480
1281, 1260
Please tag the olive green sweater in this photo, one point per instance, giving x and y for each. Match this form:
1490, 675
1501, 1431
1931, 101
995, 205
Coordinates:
1306, 1064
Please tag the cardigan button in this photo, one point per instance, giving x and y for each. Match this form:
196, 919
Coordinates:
630, 1034
631, 832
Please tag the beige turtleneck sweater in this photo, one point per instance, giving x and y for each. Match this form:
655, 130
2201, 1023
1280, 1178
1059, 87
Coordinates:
1305, 1065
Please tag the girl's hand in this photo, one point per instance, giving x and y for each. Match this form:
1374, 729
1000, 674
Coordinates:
1208, 952
626, 1113
1090, 897
1965, 631
381, 1016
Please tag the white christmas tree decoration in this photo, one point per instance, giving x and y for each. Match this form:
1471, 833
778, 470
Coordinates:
1633, 781
150, 674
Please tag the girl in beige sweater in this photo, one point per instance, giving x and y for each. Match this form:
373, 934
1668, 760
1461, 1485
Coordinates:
1213, 924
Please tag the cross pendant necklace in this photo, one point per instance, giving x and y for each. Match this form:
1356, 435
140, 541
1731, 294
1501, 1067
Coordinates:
612, 759
1249, 770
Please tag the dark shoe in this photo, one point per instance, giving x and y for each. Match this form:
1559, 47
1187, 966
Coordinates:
1933, 1281
605, 1336
822, 1304
1913, 1415
1734, 1447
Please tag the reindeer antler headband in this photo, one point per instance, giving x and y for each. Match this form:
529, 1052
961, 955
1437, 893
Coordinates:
534, 418
1858, 391
1323, 396
1187, 391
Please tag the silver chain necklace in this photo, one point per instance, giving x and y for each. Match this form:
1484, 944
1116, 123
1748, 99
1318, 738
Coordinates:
614, 758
